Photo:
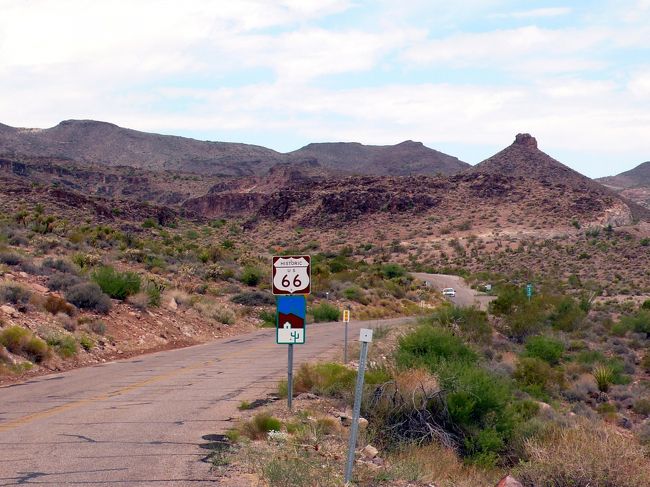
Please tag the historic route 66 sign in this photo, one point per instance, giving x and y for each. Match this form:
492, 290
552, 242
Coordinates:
292, 275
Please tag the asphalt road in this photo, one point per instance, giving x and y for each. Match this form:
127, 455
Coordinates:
143, 421
465, 295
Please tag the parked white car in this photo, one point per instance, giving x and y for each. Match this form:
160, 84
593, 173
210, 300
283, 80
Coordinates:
449, 291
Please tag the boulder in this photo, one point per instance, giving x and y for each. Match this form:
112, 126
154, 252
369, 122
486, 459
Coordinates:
8, 310
369, 451
509, 481
40, 289
173, 305
307, 395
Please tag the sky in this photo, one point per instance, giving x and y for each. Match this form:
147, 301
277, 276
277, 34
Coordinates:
463, 76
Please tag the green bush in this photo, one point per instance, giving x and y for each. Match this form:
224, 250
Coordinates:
36, 350
325, 312
21, 341
482, 411
64, 345
639, 322
430, 346
259, 427
567, 315
545, 348
268, 319
536, 376
646, 304
89, 296
87, 343
251, 276
391, 271
472, 323
14, 338
355, 293
329, 379
508, 298
118, 285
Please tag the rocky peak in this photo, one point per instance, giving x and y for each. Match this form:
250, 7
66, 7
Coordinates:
526, 140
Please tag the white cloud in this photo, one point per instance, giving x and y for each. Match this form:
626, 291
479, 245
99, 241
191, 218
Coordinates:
535, 13
639, 85
507, 47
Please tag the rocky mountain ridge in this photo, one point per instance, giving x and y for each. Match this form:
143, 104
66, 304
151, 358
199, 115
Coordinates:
106, 144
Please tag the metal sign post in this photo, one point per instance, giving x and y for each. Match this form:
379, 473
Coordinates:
346, 320
365, 338
529, 291
291, 281
290, 378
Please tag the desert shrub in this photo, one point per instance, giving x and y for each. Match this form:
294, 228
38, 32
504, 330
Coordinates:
260, 425
215, 312
154, 292
251, 276
584, 455
64, 345
11, 293
59, 265
118, 285
524, 321
391, 271
62, 282
508, 298
645, 362
567, 315
639, 322
471, 323
36, 350
21, 341
537, 376
545, 348
254, 298
642, 406
87, 343
328, 379
646, 304
355, 293
268, 319
89, 296
139, 301
56, 305
10, 258
97, 326
66, 322
297, 472
325, 312
482, 412
14, 338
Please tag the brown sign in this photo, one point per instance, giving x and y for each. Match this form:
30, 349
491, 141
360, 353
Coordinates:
292, 275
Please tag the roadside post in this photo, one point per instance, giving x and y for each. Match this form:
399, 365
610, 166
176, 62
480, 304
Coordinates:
529, 291
291, 282
346, 320
365, 337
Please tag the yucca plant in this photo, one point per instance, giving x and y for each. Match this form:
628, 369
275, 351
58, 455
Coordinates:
604, 377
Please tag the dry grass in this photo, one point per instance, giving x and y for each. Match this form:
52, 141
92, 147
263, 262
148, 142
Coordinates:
434, 464
585, 455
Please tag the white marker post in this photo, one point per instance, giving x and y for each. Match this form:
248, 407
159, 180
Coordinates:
365, 337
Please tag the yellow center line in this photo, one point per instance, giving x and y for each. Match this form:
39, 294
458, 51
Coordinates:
15, 423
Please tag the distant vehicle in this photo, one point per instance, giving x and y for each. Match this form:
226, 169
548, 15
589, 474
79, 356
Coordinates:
449, 291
